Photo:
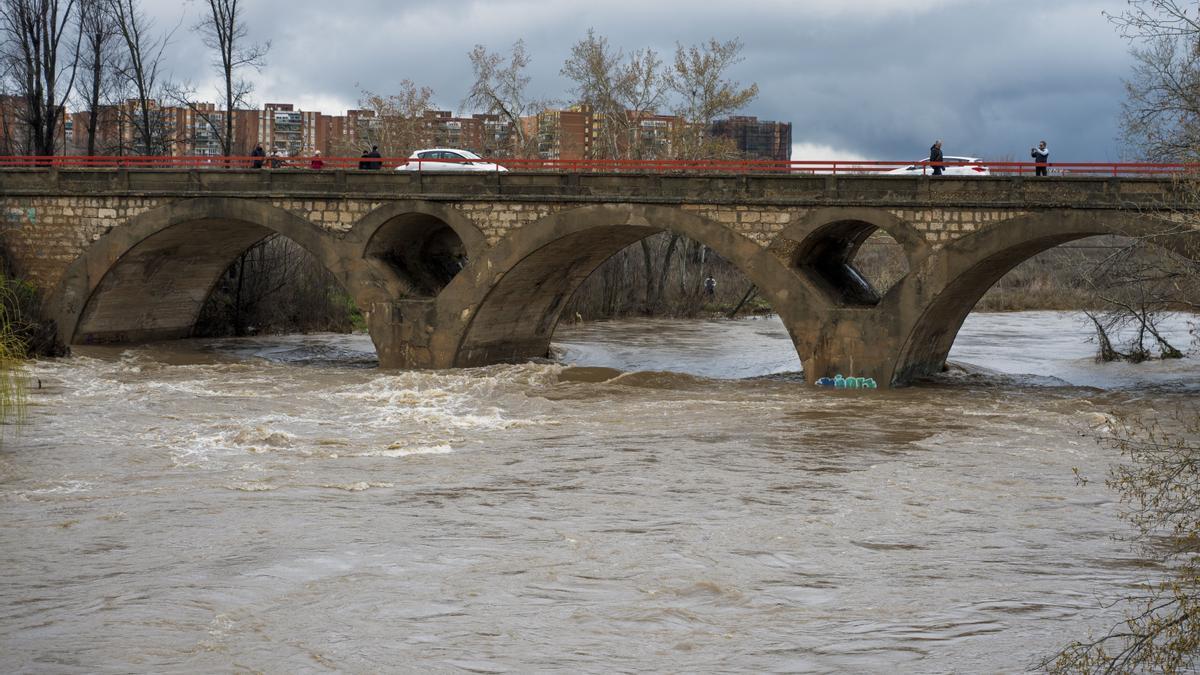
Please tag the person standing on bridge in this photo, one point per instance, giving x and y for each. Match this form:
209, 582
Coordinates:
1041, 155
374, 153
317, 163
258, 153
935, 157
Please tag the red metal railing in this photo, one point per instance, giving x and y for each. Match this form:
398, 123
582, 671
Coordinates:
811, 167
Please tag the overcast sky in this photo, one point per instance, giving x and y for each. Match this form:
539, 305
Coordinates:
876, 79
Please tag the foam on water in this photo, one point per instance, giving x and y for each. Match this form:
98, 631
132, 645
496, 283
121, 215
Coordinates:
396, 450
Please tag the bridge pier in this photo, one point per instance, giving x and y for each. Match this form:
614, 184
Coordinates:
853, 343
402, 331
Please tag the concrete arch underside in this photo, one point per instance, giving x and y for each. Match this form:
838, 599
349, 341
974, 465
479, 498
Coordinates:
149, 278
418, 246
506, 304
930, 305
822, 247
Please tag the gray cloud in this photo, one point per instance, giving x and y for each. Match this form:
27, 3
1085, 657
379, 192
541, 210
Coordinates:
878, 78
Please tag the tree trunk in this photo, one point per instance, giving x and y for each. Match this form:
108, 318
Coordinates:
238, 329
648, 264
665, 272
94, 96
745, 298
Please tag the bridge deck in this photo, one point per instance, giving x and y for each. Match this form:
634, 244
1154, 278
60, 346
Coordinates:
797, 190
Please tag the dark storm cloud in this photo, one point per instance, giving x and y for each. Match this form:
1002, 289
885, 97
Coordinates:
873, 78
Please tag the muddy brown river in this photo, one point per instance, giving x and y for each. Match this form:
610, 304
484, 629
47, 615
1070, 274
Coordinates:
665, 496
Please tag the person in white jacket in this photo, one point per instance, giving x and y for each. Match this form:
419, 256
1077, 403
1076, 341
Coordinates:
1041, 155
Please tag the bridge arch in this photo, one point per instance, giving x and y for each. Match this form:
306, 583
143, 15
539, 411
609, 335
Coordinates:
148, 278
933, 301
419, 245
822, 247
506, 305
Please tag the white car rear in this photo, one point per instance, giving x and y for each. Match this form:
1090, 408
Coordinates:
972, 166
447, 159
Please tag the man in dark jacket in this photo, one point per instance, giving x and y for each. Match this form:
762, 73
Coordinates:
257, 154
374, 153
935, 157
1041, 155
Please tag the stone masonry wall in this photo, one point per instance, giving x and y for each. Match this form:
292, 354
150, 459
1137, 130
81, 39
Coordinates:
495, 219
942, 226
334, 215
43, 235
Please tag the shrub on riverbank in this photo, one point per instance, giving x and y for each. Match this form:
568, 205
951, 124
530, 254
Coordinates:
1159, 488
277, 287
13, 350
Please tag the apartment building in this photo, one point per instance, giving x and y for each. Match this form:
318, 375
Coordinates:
484, 134
755, 139
650, 135
283, 129
119, 129
571, 133
15, 136
562, 134
199, 129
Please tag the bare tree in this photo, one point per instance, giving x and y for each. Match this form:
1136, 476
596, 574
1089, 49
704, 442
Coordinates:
500, 89
398, 126
1159, 484
620, 92
224, 31
595, 70
41, 58
276, 286
644, 88
1161, 115
138, 68
12, 131
700, 78
98, 36
1138, 286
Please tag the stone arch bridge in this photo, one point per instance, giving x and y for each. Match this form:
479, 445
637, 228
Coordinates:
131, 255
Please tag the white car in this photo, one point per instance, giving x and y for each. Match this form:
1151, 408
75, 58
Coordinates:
447, 159
922, 168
